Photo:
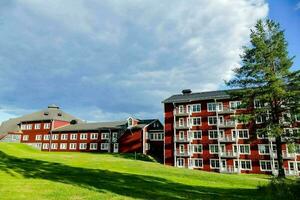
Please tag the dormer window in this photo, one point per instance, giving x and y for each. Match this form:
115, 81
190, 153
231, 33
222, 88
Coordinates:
130, 123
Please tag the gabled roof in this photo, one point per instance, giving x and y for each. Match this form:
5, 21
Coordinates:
10, 125
53, 112
92, 126
210, 95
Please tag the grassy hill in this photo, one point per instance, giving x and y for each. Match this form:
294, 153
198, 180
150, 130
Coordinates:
26, 173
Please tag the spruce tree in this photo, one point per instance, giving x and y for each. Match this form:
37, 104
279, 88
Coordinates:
266, 77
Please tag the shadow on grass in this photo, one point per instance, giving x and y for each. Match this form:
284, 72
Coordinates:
131, 185
133, 156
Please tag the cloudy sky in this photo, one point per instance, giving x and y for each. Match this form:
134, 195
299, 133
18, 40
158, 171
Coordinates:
105, 60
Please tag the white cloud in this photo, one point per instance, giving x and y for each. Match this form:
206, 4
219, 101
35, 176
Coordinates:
120, 57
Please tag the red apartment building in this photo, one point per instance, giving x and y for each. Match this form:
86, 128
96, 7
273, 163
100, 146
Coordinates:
201, 133
54, 130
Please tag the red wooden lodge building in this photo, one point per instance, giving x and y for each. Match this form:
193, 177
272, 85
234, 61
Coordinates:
54, 130
202, 132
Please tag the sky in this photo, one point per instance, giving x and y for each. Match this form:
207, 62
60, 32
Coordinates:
107, 60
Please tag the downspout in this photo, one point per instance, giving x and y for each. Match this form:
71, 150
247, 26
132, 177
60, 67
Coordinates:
50, 144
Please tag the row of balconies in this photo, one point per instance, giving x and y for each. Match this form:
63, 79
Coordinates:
225, 124
221, 110
232, 154
227, 138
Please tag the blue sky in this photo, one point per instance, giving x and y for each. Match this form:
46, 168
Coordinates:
106, 60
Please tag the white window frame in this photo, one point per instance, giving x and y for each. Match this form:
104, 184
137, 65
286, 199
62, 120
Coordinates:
240, 164
104, 136
238, 133
94, 136
47, 137
217, 161
25, 137
37, 126
180, 109
218, 105
54, 145
93, 146
264, 145
235, 106
83, 136
72, 146
216, 146
55, 136
221, 120
181, 148
222, 134
193, 161
193, 133
194, 147
192, 121
64, 137
38, 137
234, 147
192, 108
45, 146
156, 136
104, 146
47, 125
63, 146
73, 136
265, 162
82, 146
180, 160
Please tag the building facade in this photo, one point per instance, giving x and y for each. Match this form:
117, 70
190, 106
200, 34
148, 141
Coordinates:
54, 130
202, 132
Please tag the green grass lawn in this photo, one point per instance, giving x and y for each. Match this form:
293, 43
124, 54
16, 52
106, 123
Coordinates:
26, 173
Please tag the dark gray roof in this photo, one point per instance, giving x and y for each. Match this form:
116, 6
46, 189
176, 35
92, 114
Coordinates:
210, 95
51, 113
91, 126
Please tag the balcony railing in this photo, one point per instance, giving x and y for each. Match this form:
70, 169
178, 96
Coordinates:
227, 124
228, 154
287, 155
227, 138
273, 154
289, 172
184, 139
229, 170
181, 112
184, 153
184, 125
226, 110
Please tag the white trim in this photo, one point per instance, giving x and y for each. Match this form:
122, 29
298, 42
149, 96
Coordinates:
191, 108
239, 148
72, 146
192, 121
93, 146
240, 164
82, 146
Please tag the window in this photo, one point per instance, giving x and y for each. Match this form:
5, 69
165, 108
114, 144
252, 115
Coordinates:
291, 132
242, 133
196, 108
181, 122
55, 137
181, 135
94, 136
147, 146
54, 146
82, 146
73, 136
130, 123
104, 136
197, 148
214, 164
38, 137
261, 119
47, 137
257, 103
47, 126
64, 136
25, 137
181, 148
297, 118
180, 162
83, 136
37, 126
115, 136
45, 146
235, 104
213, 134
212, 107
197, 162
23, 127
93, 146
63, 146
72, 146
265, 165
244, 164
104, 146
212, 120
197, 135
214, 149
196, 121
180, 109
156, 136
244, 149
264, 149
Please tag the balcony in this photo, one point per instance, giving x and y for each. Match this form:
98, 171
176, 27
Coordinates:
287, 155
183, 140
228, 124
181, 112
228, 154
184, 125
184, 153
289, 172
226, 110
273, 154
229, 170
227, 138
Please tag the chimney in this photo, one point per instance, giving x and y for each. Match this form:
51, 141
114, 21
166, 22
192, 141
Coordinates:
186, 91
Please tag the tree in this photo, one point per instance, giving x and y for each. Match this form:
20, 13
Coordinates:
266, 77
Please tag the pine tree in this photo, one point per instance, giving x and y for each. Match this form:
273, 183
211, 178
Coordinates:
266, 79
